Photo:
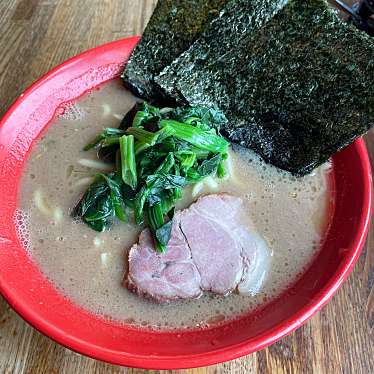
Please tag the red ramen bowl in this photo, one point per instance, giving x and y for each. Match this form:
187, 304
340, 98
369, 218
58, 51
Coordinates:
38, 302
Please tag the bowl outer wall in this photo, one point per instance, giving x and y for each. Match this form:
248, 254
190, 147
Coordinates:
35, 299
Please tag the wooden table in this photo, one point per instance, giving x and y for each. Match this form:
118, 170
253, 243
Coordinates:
36, 35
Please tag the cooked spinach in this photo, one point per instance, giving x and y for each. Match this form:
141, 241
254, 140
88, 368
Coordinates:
115, 195
101, 202
199, 116
128, 164
209, 166
158, 152
158, 227
104, 138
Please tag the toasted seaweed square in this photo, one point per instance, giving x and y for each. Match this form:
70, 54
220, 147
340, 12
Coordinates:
173, 27
296, 90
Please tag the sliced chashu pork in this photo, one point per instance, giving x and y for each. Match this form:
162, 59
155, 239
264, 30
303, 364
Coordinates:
210, 250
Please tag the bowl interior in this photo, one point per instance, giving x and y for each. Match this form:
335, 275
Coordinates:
34, 298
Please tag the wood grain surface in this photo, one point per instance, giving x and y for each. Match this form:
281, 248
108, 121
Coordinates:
36, 35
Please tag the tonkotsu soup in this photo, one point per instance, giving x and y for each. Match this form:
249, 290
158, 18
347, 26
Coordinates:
290, 214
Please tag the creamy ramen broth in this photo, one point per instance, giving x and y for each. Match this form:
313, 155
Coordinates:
88, 267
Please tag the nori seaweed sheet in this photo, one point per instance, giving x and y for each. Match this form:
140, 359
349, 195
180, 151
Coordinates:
225, 33
296, 91
173, 27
